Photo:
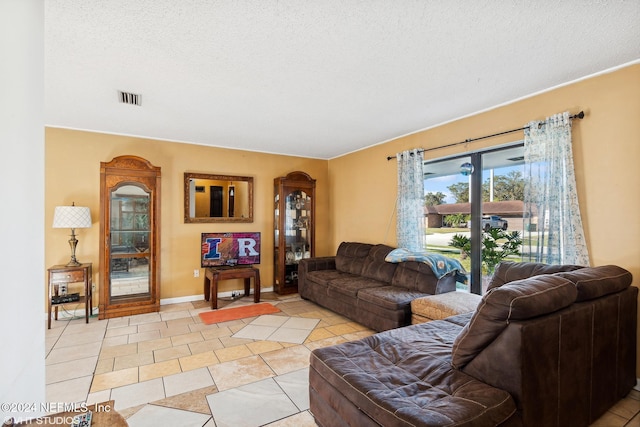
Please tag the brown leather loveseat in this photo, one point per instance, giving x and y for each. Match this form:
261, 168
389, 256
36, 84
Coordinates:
555, 349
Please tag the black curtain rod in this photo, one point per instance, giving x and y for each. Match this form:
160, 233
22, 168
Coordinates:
580, 115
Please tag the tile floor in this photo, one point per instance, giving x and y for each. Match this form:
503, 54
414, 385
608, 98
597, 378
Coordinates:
170, 369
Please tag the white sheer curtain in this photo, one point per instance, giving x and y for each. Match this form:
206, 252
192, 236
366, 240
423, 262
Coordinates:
550, 196
410, 230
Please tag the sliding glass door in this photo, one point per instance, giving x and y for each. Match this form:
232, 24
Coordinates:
473, 206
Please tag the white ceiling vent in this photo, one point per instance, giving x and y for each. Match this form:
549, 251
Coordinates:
129, 98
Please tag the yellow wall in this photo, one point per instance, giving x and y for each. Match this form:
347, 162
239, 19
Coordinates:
72, 174
606, 155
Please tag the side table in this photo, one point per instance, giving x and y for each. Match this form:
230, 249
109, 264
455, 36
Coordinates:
62, 274
214, 274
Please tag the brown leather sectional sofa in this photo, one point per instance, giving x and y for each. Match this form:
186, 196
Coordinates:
555, 349
359, 284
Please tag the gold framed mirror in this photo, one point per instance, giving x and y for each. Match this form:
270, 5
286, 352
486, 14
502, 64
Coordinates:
217, 198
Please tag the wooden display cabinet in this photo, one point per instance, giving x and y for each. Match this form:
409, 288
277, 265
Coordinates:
294, 227
129, 237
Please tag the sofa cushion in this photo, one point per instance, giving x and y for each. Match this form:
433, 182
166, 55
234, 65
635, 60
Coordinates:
594, 282
508, 271
521, 299
350, 257
324, 277
415, 276
389, 297
375, 267
351, 286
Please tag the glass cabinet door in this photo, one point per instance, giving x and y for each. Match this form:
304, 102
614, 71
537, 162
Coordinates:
129, 240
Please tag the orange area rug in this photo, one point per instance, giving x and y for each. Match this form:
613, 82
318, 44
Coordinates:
227, 314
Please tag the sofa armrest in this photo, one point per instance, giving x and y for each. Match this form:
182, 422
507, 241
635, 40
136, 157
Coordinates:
307, 265
317, 263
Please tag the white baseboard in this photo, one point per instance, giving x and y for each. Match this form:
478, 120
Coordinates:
200, 297
637, 386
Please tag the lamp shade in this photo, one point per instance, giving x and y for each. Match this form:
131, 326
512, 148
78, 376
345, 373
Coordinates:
72, 217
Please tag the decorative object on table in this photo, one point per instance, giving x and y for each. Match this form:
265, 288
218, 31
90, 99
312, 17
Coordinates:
228, 314
72, 217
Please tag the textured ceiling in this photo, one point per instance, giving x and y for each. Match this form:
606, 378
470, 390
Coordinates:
315, 78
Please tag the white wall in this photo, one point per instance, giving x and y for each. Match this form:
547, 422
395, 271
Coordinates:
22, 270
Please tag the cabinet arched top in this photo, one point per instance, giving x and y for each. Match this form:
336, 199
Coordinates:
129, 162
299, 176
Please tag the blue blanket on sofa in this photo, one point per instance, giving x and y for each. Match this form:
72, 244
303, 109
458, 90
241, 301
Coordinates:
440, 264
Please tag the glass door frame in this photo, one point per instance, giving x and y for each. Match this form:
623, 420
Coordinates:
475, 193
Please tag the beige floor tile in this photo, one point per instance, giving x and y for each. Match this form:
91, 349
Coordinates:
114, 379
154, 344
319, 334
202, 346
325, 342
610, 419
198, 327
155, 326
171, 353
240, 372
133, 360
341, 329
288, 359
258, 347
118, 322
233, 353
144, 336
187, 381
634, 422
175, 330
70, 391
180, 321
119, 350
82, 327
125, 330
99, 397
186, 338
130, 411
144, 318
65, 354
179, 314
200, 360
218, 332
232, 342
194, 401
301, 419
79, 338
104, 365
70, 370
114, 341
626, 408
138, 393
181, 306
160, 369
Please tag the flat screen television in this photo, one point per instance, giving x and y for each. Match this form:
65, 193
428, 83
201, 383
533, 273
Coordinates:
229, 249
